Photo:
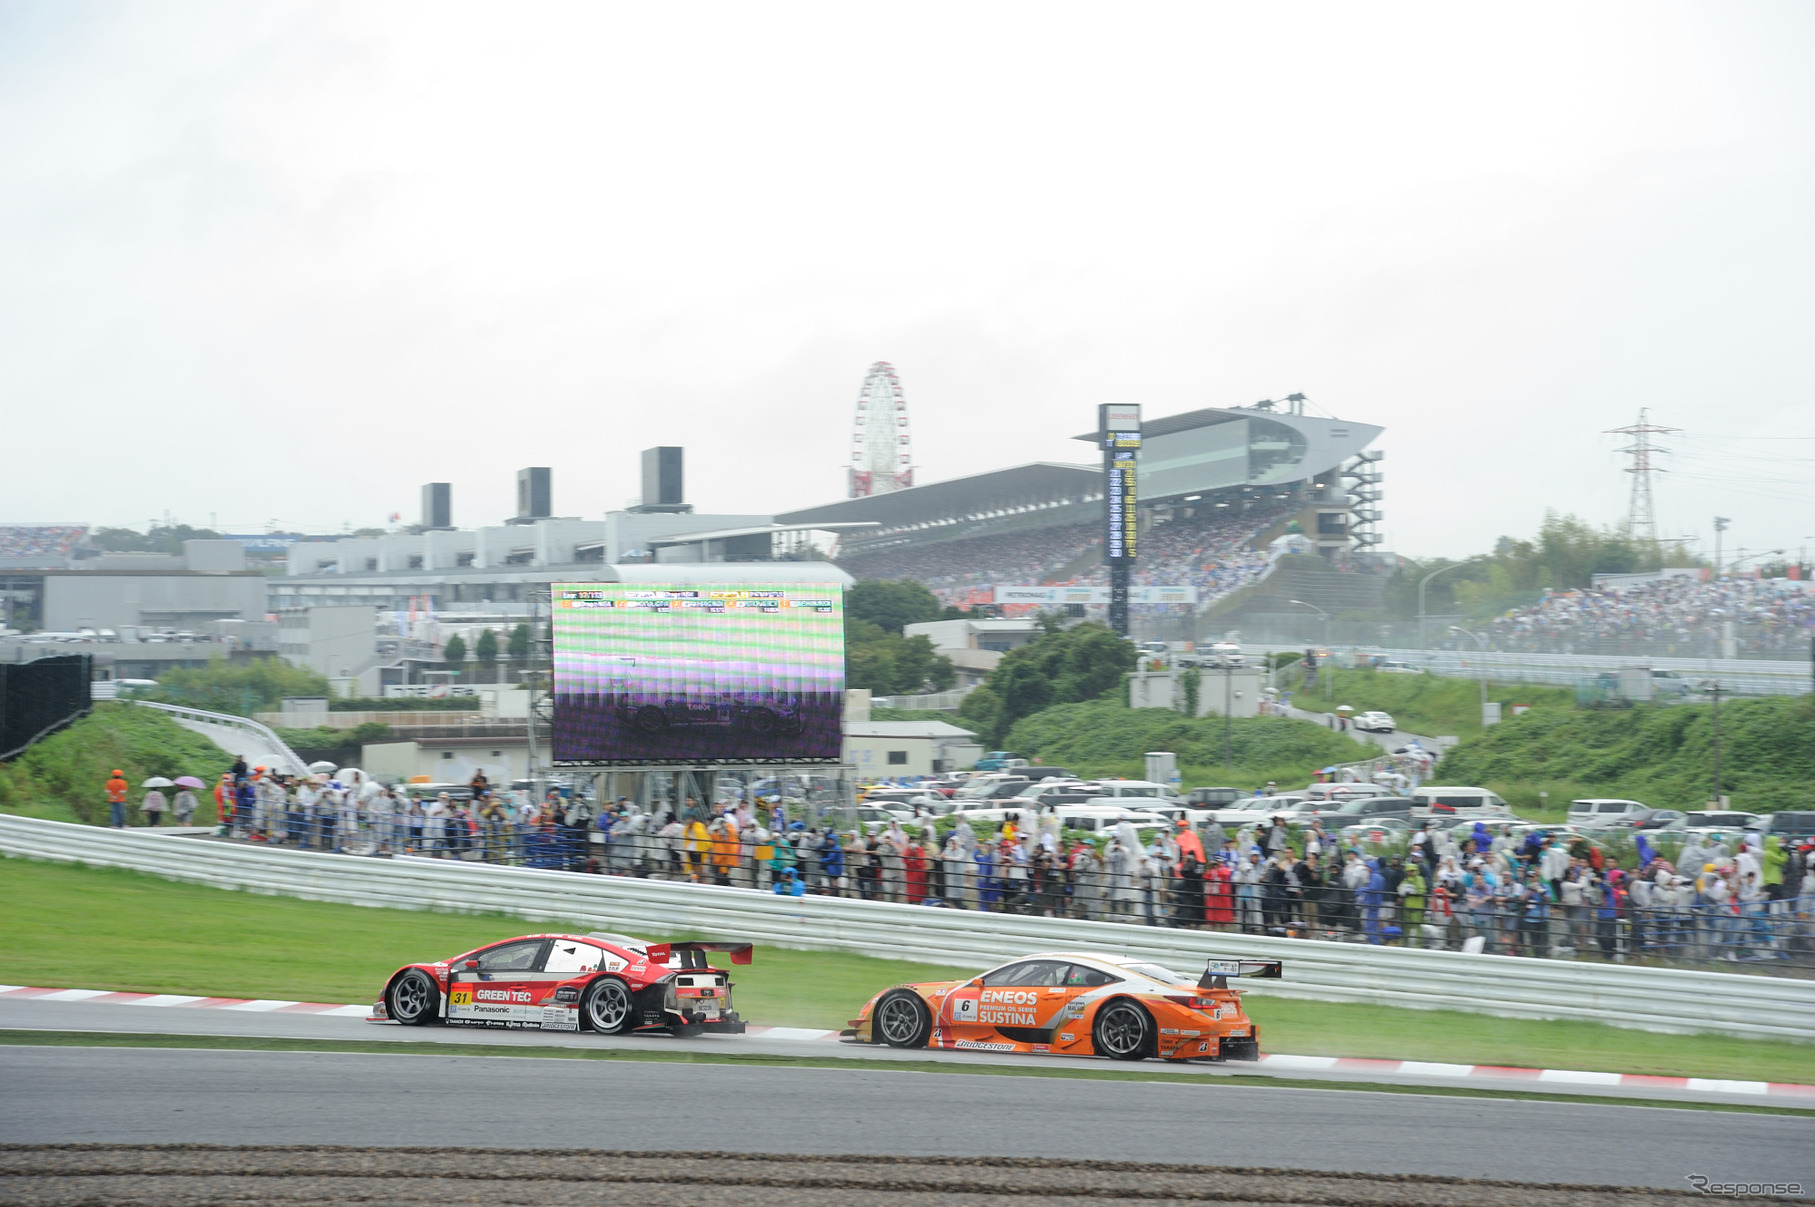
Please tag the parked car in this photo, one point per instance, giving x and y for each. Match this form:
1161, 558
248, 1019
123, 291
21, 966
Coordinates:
1360, 809
1321, 792
1719, 819
1249, 809
996, 760
1375, 721
984, 788
1213, 797
1789, 825
1378, 830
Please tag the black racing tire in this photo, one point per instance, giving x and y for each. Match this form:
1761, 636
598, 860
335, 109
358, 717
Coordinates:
650, 719
413, 999
608, 1007
901, 1020
760, 721
1123, 1030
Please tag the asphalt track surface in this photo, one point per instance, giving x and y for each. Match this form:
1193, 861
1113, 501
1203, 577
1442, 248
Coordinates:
163, 1096
40, 1015
171, 1096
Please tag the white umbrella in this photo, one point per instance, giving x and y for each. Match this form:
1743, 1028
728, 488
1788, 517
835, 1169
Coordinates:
323, 767
158, 781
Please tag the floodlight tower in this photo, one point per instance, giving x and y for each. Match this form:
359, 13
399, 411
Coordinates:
1641, 517
881, 459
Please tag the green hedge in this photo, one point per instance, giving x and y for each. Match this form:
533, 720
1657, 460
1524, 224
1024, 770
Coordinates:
1662, 755
1105, 737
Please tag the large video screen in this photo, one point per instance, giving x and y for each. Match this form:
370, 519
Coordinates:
738, 673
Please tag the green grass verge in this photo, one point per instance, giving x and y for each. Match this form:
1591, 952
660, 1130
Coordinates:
1661, 754
94, 928
1428, 704
1147, 1073
64, 777
1106, 737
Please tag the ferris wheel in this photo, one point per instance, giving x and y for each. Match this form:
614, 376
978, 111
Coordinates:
881, 459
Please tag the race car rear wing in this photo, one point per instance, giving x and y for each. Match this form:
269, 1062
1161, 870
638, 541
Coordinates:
660, 952
1217, 972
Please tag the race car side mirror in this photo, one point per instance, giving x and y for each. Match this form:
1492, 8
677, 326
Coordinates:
472, 964
977, 983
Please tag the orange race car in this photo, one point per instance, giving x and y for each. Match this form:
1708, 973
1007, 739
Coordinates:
1074, 1004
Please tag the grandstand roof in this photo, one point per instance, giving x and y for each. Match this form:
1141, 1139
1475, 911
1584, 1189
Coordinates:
1179, 423
1024, 488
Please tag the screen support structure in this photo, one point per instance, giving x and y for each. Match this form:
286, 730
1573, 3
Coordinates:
1119, 435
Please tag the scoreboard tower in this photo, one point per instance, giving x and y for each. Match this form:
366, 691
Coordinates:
1119, 433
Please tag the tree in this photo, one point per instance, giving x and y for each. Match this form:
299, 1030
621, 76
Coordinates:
258, 685
486, 649
891, 604
454, 652
889, 664
158, 539
1190, 682
518, 646
1062, 666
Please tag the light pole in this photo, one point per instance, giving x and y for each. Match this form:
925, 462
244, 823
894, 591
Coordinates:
1422, 643
1327, 687
1456, 628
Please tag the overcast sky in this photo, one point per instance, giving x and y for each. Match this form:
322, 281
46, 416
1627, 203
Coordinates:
264, 261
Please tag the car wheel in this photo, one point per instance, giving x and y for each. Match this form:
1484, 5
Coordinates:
1122, 1031
608, 1008
650, 719
760, 720
413, 999
901, 1021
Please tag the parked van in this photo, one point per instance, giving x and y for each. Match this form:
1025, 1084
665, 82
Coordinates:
1145, 788
1097, 817
1459, 802
1598, 814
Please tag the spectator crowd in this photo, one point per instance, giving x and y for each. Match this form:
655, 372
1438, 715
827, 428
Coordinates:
1210, 551
1684, 617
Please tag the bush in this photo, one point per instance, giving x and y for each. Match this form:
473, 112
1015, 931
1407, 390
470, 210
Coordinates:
1662, 755
64, 776
405, 704
240, 688
1105, 737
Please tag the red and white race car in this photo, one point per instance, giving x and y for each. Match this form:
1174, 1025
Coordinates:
612, 984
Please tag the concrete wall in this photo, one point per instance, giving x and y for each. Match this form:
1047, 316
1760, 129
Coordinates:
1161, 689
179, 601
331, 641
392, 762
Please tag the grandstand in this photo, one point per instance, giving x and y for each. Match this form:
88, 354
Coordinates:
1681, 616
40, 546
1215, 485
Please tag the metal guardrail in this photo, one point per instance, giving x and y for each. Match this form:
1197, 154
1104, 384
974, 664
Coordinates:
1658, 999
293, 763
1736, 676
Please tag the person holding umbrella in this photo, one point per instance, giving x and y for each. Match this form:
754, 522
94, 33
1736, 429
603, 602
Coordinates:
154, 804
185, 801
